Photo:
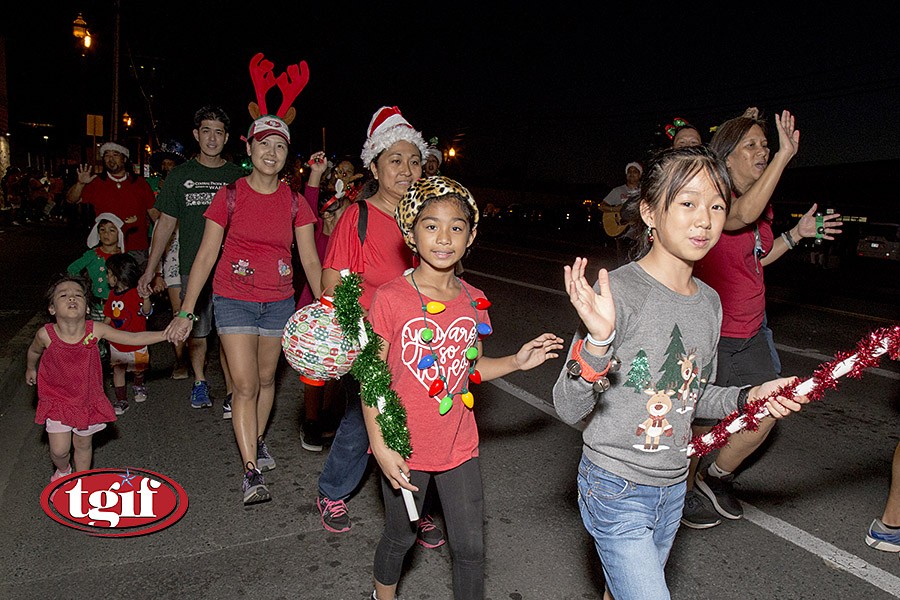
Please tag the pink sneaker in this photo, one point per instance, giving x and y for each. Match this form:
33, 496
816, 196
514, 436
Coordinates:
59, 474
428, 534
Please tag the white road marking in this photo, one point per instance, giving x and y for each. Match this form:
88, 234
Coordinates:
810, 353
518, 283
831, 554
529, 398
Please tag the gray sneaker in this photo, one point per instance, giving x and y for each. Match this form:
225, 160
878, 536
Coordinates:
120, 406
698, 514
254, 486
140, 393
719, 491
264, 460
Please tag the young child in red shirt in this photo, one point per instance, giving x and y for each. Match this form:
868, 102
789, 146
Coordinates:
71, 402
437, 217
125, 309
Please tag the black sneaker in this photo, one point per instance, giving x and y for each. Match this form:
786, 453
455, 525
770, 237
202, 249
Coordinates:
334, 514
698, 514
254, 486
719, 492
428, 534
311, 436
264, 460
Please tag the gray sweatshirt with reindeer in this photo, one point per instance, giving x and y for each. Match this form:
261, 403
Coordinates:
640, 427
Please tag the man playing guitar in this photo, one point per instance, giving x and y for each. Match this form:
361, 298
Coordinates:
611, 205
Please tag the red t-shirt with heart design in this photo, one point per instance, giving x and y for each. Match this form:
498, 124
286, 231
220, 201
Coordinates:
439, 442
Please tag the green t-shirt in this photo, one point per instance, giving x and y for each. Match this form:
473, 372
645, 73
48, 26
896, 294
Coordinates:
188, 191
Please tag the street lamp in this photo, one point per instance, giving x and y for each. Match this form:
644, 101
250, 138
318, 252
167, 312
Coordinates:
126, 119
79, 27
82, 33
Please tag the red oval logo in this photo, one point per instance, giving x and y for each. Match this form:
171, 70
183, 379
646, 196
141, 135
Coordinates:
115, 502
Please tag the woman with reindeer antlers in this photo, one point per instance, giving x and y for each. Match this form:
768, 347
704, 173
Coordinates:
257, 217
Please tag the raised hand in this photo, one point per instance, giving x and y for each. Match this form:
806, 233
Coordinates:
318, 163
806, 227
84, 174
788, 134
596, 311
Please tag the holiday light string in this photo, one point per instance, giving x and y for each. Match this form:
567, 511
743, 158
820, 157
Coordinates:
868, 354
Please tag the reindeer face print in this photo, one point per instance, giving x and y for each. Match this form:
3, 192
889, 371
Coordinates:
655, 425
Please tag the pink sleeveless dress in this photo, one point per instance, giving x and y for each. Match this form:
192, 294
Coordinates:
70, 382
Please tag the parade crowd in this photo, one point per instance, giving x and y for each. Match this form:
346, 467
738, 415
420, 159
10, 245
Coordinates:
669, 342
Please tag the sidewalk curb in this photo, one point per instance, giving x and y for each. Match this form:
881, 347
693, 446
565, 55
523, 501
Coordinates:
15, 414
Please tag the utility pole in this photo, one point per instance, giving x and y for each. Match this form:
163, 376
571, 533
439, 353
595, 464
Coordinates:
115, 99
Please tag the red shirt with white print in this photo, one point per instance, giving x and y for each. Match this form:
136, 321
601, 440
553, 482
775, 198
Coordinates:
439, 442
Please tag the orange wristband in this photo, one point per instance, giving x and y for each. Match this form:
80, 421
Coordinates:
577, 367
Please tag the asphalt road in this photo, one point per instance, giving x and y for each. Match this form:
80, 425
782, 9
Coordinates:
809, 496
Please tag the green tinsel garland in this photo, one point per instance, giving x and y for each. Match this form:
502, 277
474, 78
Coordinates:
368, 369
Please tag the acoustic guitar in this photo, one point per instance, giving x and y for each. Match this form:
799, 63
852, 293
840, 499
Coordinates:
612, 223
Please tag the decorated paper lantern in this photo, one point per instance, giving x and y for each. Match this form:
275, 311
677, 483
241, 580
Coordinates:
314, 344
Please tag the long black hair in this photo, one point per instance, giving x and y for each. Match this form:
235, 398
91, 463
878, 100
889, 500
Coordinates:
664, 177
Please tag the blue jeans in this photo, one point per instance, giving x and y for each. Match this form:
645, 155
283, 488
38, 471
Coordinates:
633, 527
347, 460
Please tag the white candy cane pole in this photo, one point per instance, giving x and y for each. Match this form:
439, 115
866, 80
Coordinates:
805, 387
407, 495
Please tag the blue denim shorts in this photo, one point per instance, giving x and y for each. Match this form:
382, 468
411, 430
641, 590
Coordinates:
266, 319
633, 527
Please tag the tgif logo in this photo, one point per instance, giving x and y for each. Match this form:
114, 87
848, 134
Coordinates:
115, 502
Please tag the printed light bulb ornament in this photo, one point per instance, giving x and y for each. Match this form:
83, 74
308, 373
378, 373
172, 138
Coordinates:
314, 344
437, 386
440, 384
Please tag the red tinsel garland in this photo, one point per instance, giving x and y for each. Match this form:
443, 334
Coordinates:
868, 354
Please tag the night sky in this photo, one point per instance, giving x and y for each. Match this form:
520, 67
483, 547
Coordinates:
552, 95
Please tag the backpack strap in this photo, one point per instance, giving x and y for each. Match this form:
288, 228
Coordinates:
230, 195
363, 223
295, 207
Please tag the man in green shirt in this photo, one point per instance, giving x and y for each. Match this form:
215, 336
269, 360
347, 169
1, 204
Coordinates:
189, 190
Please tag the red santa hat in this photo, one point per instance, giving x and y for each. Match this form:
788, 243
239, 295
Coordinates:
386, 129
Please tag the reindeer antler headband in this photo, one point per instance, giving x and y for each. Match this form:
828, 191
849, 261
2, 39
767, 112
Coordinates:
291, 82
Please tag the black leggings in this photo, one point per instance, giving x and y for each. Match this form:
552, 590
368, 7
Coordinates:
462, 498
